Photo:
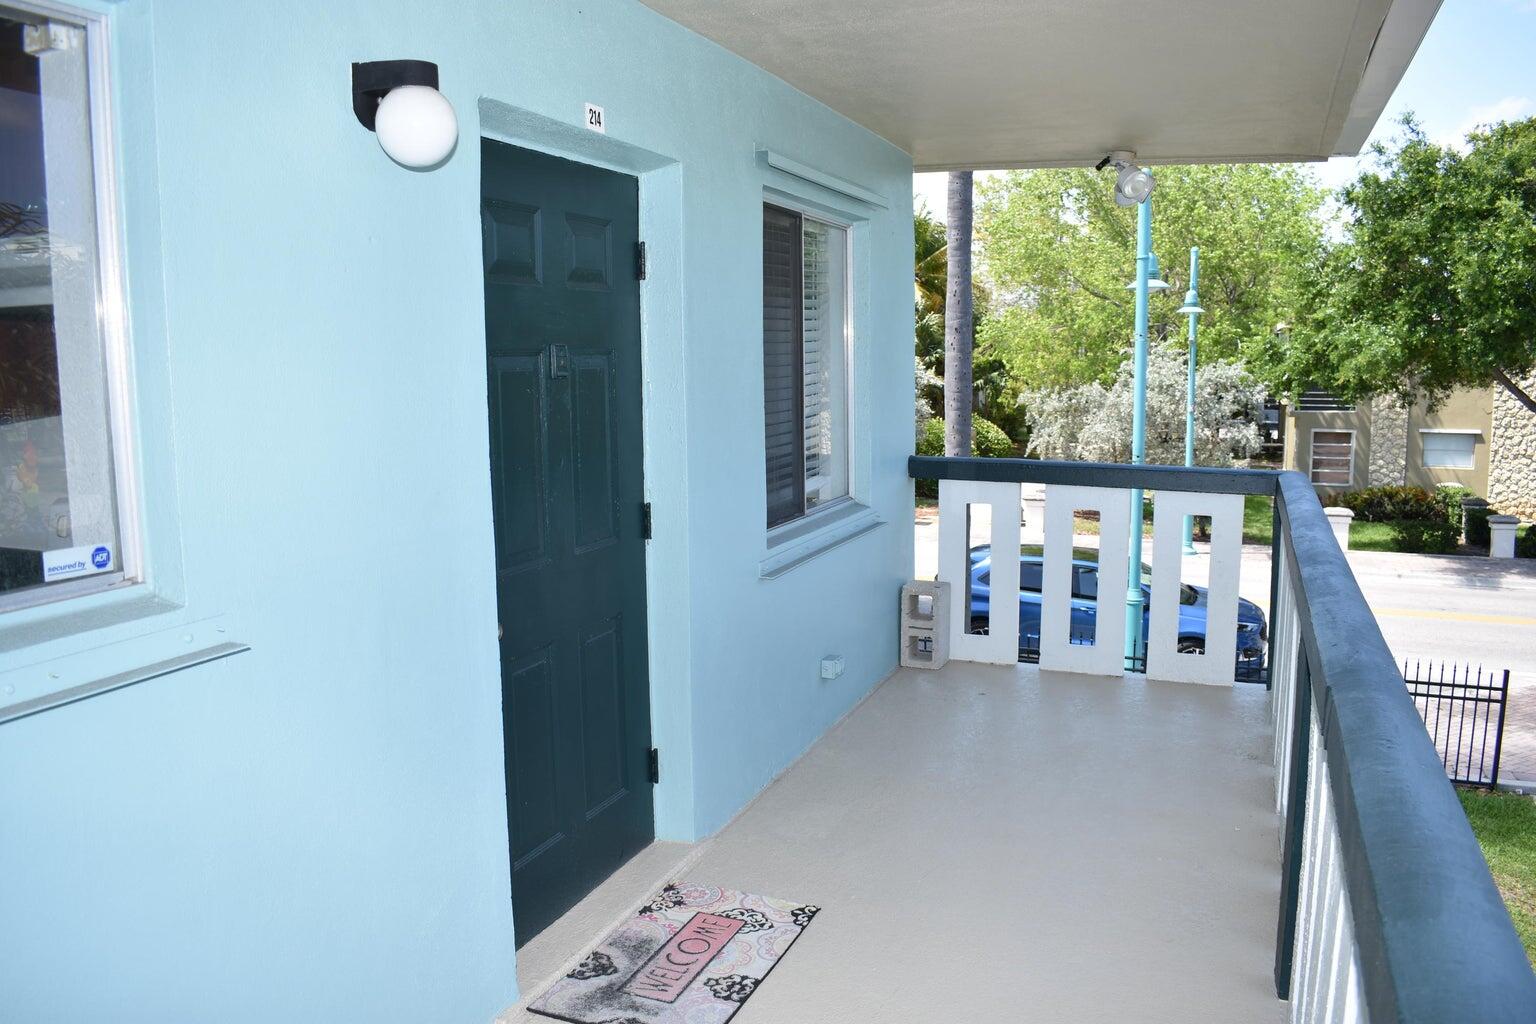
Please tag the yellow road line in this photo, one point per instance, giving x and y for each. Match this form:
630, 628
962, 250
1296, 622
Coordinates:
1424, 613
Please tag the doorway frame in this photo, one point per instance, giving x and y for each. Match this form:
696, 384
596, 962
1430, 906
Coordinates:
663, 412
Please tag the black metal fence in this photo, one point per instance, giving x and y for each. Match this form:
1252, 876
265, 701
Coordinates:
1463, 709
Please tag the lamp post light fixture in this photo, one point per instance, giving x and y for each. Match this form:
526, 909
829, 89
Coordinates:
1191, 309
398, 101
1155, 282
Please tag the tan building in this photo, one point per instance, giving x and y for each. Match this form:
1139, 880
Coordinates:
1480, 439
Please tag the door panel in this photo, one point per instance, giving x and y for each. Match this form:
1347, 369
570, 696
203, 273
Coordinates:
592, 401
562, 318
531, 688
602, 690
521, 408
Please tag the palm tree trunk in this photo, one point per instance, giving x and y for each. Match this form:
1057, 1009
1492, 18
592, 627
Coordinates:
958, 317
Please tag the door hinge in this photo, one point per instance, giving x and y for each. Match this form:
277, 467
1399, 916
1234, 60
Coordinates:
645, 521
654, 766
640, 260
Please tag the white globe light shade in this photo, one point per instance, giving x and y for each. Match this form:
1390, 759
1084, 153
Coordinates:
416, 126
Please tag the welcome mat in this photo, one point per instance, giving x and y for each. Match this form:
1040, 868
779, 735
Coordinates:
692, 955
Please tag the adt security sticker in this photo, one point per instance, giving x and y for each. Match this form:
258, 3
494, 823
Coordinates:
67, 563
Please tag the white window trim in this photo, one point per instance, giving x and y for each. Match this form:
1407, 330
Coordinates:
112, 316
1312, 448
799, 540
796, 527
61, 651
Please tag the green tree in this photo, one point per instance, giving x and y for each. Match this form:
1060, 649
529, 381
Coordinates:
995, 394
1058, 254
1433, 287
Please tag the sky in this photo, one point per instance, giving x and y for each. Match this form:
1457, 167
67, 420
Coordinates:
1477, 64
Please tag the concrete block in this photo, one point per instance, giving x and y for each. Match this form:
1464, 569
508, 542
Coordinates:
925, 624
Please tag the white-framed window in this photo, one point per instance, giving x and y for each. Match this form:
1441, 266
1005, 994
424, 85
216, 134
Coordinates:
65, 515
805, 362
1448, 449
1333, 457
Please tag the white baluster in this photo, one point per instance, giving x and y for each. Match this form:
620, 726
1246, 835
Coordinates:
1000, 645
1216, 666
1106, 656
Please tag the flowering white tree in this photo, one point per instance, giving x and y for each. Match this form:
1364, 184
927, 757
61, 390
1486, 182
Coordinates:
1092, 423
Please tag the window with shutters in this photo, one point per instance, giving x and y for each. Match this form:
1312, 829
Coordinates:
1333, 457
805, 363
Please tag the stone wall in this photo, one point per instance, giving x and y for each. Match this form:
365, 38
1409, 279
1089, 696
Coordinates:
1388, 463
1512, 453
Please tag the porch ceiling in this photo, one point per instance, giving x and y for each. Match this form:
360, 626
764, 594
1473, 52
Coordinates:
1045, 83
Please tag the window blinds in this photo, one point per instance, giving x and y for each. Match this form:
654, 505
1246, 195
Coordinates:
783, 354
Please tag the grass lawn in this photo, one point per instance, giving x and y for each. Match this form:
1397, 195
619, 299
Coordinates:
1258, 519
1371, 537
1505, 826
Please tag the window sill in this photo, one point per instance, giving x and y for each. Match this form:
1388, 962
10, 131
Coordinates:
798, 542
102, 643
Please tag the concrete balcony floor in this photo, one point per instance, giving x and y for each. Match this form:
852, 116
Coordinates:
1002, 844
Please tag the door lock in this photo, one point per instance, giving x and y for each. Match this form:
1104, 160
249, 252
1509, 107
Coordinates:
559, 361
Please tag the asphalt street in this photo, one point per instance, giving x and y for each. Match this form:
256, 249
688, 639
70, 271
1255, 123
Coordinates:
1470, 610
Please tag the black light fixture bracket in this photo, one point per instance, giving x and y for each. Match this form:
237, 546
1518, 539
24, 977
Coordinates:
372, 80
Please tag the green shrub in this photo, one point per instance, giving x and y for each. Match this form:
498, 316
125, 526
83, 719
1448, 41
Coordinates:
1477, 526
1450, 500
1525, 542
1386, 504
987, 441
1423, 536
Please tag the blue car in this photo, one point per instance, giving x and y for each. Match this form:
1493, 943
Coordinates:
1251, 631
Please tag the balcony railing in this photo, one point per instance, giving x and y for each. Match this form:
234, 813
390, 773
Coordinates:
1387, 909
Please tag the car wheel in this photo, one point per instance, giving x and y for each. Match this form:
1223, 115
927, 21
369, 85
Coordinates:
1191, 645
980, 625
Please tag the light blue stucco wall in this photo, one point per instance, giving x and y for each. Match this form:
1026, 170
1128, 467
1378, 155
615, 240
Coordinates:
315, 830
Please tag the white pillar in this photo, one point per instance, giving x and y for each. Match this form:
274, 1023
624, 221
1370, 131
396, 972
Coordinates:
1339, 519
1501, 536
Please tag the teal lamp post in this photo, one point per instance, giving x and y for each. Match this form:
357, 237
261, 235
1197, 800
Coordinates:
1133, 187
1147, 281
1191, 309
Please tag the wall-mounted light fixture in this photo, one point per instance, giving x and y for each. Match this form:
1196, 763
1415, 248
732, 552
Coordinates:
398, 101
1132, 184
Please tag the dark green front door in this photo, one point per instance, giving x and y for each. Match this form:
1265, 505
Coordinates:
562, 328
